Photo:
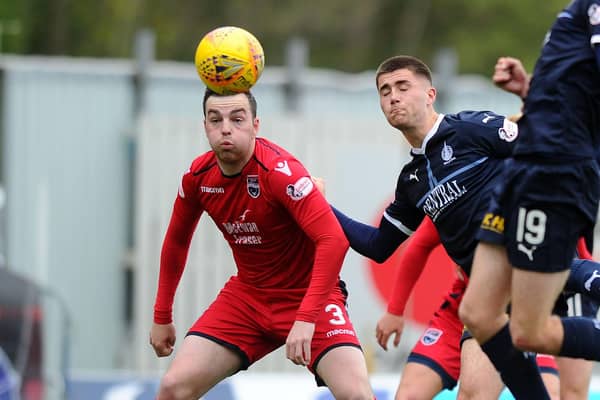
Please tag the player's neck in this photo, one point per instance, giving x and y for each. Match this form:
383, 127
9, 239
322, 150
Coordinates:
234, 167
417, 134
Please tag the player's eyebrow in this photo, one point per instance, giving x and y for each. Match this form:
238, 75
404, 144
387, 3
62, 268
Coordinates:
213, 111
399, 82
238, 110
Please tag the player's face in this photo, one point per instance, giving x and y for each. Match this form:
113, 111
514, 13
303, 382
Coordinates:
405, 98
231, 130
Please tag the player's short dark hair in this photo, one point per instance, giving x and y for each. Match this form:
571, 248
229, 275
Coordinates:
208, 93
411, 63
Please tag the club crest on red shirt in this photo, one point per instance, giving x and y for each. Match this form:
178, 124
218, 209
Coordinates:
253, 186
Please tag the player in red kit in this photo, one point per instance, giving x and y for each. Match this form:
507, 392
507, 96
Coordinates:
288, 248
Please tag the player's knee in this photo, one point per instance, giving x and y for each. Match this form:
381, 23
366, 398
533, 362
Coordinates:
468, 393
172, 389
355, 396
520, 338
355, 391
574, 393
408, 391
413, 394
528, 339
469, 316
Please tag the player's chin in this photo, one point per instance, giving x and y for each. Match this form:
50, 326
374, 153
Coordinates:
396, 119
228, 155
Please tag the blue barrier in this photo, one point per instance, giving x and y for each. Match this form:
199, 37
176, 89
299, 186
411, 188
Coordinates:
9, 381
125, 386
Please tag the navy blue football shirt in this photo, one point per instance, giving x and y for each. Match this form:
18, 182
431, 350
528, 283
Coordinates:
451, 177
562, 109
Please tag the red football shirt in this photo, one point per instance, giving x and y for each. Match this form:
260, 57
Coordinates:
280, 228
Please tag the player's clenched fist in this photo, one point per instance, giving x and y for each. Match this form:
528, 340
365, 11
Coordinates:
510, 75
162, 339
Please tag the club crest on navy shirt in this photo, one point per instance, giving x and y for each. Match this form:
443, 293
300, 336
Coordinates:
447, 154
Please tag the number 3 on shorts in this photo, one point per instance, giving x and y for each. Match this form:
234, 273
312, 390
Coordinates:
336, 312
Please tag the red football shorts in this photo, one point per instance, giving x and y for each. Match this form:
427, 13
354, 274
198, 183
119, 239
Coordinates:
547, 364
439, 346
254, 322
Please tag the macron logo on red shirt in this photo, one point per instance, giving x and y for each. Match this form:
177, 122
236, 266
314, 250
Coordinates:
283, 167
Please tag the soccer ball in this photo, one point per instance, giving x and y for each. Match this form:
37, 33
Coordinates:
229, 60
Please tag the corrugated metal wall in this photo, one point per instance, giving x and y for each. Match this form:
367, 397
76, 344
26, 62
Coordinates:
64, 163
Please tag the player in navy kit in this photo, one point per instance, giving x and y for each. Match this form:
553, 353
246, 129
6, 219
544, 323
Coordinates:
546, 199
575, 374
456, 160
288, 249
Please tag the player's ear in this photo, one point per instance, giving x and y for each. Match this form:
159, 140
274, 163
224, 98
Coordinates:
431, 95
256, 124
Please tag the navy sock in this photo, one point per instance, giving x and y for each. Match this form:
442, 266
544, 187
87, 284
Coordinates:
584, 278
581, 338
518, 369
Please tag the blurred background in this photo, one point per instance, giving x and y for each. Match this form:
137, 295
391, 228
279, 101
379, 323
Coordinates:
101, 112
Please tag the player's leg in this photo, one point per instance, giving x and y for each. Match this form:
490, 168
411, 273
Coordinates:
198, 365
552, 384
418, 382
575, 377
541, 234
227, 337
549, 370
478, 378
483, 310
349, 382
532, 325
337, 359
575, 374
551, 232
434, 363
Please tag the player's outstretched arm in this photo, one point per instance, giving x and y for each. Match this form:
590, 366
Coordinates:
376, 243
510, 75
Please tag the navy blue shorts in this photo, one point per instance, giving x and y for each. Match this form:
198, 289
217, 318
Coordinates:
539, 210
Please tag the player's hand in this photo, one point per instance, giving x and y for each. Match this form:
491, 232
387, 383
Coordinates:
162, 339
319, 183
297, 344
510, 75
389, 324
